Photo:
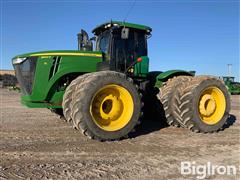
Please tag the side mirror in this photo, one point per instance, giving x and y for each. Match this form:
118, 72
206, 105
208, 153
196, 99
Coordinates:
125, 33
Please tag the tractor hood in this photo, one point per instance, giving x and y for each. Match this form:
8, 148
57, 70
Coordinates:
38, 73
61, 53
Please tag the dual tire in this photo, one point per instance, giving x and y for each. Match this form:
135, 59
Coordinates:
166, 95
201, 103
103, 105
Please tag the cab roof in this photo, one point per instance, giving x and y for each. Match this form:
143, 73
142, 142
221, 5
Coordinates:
109, 24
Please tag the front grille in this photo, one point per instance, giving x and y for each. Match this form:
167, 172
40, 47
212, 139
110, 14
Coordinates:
25, 74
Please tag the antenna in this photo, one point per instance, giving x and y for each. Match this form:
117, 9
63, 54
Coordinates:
229, 69
129, 10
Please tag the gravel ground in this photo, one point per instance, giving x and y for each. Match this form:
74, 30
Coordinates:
36, 144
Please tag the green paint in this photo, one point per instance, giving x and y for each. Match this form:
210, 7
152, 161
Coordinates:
44, 87
233, 87
141, 68
164, 76
45, 54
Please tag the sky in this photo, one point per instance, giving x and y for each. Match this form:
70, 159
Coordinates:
188, 34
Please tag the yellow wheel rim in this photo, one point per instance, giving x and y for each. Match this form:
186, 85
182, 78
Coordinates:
112, 107
212, 105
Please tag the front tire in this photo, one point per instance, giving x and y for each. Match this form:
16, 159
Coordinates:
68, 95
106, 106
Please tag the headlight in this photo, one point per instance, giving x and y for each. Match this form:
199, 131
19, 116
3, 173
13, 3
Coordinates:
18, 60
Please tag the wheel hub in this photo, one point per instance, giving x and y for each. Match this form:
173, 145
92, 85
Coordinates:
109, 107
112, 107
207, 105
212, 105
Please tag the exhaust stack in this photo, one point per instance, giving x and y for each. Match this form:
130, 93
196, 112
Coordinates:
84, 44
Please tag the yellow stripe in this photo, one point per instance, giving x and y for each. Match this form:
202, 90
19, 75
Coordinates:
67, 54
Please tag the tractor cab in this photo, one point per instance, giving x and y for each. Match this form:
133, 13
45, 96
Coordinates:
123, 45
228, 79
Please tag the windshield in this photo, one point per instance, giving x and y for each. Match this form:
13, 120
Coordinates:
103, 42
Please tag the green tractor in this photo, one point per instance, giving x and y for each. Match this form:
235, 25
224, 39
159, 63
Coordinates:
103, 92
233, 87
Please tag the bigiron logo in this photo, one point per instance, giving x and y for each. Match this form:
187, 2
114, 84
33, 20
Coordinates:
202, 171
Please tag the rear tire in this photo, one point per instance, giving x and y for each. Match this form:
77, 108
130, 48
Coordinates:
165, 96
202, 105
106, 106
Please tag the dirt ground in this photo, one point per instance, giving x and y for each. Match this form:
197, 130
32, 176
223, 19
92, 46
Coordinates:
36, 144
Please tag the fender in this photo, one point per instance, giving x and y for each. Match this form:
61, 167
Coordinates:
164, 76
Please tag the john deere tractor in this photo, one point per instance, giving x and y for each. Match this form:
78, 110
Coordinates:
233, 87
102, 92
